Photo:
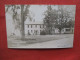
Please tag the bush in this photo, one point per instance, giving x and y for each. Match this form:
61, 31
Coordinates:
43, 33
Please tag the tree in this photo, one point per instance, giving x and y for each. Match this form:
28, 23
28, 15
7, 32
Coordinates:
50, 18
24, 13
64, 19
60, 23
57, 19
19, 17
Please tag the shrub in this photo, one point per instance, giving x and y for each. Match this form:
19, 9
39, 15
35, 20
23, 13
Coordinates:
43, 33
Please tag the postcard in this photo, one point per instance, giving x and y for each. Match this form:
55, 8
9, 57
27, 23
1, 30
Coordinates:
40, 26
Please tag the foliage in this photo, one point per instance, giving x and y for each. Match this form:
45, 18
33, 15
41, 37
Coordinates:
57, 19
19, 15
50, 18
43, 33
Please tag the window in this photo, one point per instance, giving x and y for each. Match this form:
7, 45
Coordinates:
43, 26
31, 26
28, 32
36, 25
31, 31
36, 32
67, 29
28, 26
40, 26
40, 30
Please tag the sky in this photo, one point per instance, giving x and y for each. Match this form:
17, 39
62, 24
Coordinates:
37, 11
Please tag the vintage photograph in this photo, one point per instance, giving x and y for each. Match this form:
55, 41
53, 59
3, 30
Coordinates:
40, 26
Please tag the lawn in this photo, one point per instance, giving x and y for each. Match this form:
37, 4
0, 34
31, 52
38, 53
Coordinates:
15, 42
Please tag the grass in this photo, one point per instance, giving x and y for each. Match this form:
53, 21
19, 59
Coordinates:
16, 41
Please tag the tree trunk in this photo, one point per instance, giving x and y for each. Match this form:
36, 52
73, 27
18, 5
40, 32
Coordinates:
22, 23
60, 31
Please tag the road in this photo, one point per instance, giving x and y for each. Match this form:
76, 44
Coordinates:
62, 43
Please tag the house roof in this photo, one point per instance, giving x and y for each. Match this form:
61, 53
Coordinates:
33, 22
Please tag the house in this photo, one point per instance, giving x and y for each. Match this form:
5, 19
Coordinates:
34, 27
67, 30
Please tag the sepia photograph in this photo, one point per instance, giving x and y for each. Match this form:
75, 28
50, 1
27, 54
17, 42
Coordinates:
40, 26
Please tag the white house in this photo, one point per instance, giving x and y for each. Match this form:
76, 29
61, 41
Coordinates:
34, 27
67, 30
